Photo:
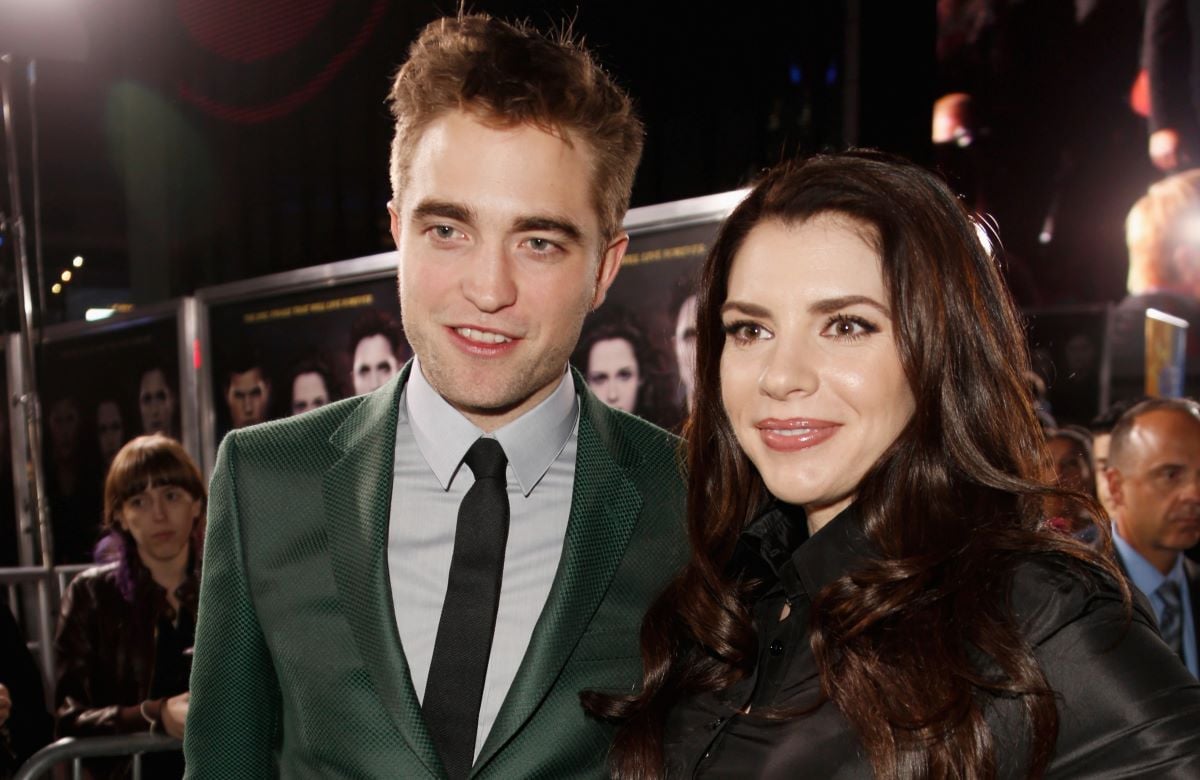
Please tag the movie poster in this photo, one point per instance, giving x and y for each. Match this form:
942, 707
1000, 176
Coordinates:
98, 391
286, 354
1068, 349
638, 349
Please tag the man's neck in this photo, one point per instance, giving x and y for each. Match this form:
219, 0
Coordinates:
1161, 559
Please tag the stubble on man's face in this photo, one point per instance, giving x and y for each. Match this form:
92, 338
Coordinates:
497, 262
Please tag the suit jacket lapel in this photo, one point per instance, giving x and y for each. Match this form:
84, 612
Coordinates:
357, 497
604, 509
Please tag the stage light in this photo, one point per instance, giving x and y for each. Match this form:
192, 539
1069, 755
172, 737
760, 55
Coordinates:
78, 261
66, 276
91, 315
56, 288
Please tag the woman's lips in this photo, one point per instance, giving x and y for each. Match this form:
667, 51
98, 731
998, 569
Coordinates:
795, 434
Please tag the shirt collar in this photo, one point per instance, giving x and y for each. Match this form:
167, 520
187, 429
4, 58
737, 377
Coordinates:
777, 541
532, 442
1145, 576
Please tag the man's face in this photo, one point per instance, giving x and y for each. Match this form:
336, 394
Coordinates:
248, 396
1100, 442
156, 402
64, 427
110, 432
500, 259
374, 363
1156, 486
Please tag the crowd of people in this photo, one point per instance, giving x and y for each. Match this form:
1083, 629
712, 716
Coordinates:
871, 554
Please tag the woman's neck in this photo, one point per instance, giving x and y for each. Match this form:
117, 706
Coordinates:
170, 573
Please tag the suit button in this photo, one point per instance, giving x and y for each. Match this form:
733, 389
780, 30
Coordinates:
776, 648
716, 724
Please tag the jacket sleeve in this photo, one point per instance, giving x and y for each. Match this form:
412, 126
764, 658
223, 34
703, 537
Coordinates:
1128, 707
78, 713
234, 713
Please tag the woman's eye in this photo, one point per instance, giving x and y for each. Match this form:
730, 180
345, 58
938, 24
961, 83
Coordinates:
845, 326
745, 332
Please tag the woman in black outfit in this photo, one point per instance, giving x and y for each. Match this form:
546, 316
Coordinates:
872, 589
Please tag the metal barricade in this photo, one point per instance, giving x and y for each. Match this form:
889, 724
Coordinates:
50, 584
76, 749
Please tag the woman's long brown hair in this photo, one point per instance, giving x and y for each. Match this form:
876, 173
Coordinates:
951, 508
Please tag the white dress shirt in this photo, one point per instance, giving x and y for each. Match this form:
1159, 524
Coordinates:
428, 484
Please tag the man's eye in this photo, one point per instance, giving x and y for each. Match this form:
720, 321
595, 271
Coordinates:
541, 245
445, 232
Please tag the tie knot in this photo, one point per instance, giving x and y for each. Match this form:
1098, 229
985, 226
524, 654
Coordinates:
1169, 593
486, 459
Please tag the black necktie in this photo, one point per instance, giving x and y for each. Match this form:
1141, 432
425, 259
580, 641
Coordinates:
1171, 624
464, 637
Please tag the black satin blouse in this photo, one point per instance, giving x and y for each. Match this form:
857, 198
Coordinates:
1127, 707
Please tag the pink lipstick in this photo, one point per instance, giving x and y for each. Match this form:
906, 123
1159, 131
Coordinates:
795, 434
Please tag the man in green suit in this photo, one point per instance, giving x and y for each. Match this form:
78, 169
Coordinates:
354, 618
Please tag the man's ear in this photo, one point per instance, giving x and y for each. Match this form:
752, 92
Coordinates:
610, 263
1116, 487
394, 223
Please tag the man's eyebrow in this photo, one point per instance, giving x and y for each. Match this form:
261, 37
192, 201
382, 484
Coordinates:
443, 209
540, 223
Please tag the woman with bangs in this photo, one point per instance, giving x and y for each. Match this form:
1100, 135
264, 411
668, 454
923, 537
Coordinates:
126, 631
873, 590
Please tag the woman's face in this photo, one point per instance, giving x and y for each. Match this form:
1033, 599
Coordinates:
1072, 468
160, 519
308, 392
612, 373
810, 373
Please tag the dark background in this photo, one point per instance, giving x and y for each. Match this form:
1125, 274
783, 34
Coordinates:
206, 141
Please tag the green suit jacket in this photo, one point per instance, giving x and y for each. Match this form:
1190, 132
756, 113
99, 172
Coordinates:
298, 669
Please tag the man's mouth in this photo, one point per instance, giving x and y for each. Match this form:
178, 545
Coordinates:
482, 336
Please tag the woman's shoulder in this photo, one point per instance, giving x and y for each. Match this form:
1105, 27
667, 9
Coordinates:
1051, 591
96, 579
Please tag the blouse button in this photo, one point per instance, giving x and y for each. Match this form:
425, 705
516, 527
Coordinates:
776, 647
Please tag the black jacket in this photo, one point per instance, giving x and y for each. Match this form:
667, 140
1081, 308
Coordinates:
1127, 706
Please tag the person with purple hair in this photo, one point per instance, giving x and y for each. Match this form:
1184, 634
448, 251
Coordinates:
127, 627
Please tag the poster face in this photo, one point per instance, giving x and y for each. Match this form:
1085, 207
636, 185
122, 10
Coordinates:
281, 355
97, 392
637, 350
1067, 349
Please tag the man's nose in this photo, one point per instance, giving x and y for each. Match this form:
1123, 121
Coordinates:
489, 283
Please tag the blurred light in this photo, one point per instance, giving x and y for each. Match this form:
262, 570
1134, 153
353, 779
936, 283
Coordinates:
78, 261
91, 315
56, 288
1190, 232
66, 276
831, 74
795, 75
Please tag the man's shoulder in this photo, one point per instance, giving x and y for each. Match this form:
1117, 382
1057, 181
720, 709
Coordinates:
294, 435
622, 432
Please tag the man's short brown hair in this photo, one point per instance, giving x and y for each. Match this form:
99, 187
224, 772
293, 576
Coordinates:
511, 74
